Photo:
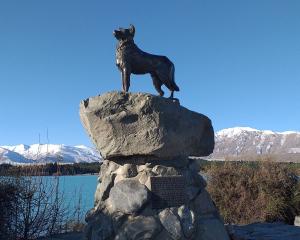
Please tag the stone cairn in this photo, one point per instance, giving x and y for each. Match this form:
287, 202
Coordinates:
148, 186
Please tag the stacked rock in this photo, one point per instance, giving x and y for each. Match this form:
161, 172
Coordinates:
148, 186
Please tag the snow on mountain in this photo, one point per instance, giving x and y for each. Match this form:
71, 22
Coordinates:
236, 131
230, 142
11, 157
240, 141
45, 153
231, 132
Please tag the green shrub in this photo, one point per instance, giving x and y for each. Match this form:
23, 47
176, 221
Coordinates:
251, 192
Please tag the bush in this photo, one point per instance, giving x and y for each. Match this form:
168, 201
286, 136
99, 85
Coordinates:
8, 204
32, 207
256, 191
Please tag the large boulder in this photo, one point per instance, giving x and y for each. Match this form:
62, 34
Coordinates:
139, 228
125, 125
127, 196
171, 223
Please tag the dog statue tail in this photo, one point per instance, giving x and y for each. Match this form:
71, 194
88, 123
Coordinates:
172, 85
172, 78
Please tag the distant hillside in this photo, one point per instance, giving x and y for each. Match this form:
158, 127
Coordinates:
47, 153
244, 141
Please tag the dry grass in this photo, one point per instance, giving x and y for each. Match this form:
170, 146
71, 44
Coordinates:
251, 192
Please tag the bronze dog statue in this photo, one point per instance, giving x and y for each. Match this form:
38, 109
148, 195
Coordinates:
131, 59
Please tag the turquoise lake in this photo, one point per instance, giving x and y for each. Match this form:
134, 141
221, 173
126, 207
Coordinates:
78, 190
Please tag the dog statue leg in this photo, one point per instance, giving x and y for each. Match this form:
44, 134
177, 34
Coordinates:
123, 81
157, 84
126, 80
172, 95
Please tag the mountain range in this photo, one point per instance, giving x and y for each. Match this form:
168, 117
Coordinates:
241, 142
47, 153
232, 143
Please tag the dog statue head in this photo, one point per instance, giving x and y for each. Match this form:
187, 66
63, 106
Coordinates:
125, 34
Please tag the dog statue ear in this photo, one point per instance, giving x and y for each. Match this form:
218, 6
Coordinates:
132, 29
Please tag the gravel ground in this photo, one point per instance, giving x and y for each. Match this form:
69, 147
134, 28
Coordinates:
264, 231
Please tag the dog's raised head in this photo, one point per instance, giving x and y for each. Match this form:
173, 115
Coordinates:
125, 34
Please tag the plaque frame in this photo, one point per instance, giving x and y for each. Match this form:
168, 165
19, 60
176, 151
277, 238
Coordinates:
168, 191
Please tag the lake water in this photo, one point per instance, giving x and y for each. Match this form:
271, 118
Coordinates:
78, 190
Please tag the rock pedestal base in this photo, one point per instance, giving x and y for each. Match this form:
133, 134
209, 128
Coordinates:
126, 204
148, 187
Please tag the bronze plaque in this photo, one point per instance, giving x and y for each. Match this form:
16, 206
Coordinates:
168, 191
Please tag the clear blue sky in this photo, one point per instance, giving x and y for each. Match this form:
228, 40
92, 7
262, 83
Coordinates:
236, 61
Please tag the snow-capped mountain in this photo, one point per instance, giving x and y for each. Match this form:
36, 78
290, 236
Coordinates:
241, 141
46, 153
230, 142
